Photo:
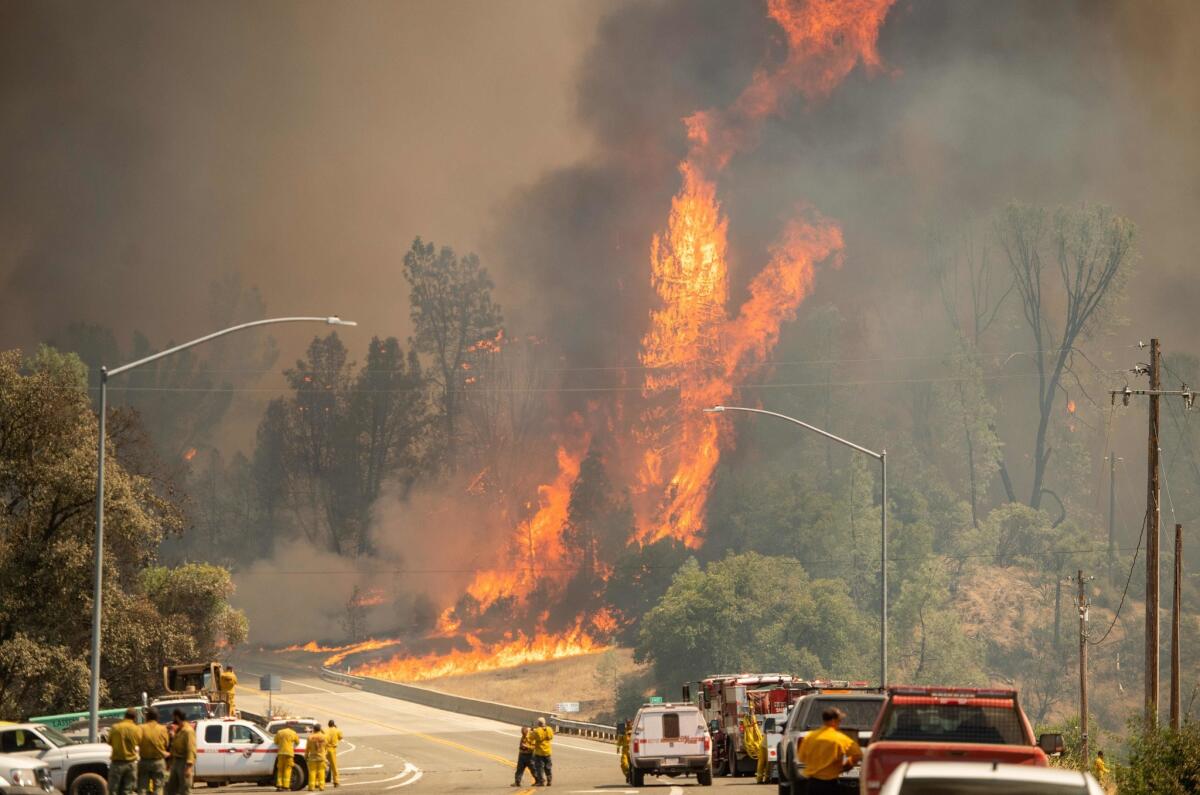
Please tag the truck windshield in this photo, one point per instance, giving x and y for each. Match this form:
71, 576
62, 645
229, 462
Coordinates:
55, 737
947, 723
860, 713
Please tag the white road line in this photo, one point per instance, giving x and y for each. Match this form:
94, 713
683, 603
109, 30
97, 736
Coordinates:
676, 791
360, 767
409, 767
396, 777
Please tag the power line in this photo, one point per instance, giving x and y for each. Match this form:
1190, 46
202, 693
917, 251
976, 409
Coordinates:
1125, 590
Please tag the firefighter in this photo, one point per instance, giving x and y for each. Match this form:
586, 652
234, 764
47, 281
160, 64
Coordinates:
524, 756
226, 685
826, 753
332, 738
623, 748
183, 756
751, 739
124, 738
152, 750
762, 773
314, 754
543, 772
285, 740
1100, 768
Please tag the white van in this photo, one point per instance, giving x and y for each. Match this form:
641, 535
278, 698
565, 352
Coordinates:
670, 740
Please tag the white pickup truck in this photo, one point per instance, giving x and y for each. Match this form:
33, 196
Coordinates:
670, 740
75, 768
229, 750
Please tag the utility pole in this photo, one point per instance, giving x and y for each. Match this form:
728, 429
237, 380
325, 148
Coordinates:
1175, 604
1083, 672
1112, 515
1152, 517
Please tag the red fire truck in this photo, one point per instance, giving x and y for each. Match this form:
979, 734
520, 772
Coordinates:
726, 698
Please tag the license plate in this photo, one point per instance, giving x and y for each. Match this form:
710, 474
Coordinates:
671, 761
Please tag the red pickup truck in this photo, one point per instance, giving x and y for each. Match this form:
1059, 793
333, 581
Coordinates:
953, 725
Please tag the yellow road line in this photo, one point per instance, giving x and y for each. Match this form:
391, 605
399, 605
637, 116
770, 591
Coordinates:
449, 743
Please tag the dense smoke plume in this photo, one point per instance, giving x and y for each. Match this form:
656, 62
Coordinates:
147, 151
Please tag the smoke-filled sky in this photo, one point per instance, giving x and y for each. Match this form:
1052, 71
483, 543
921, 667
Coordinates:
149, 148
146, 148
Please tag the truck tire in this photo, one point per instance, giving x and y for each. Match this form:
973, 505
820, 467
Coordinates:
88, 784
638, 777
299, 776
731, 763
704, 777
785, 787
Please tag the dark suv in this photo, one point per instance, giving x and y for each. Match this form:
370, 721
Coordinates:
862, 707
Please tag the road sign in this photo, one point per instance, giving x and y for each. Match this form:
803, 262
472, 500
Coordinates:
567, 706
656, 699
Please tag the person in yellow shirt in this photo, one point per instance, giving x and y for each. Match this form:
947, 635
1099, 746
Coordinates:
124, 738
826, 753
623, 748
332, 738
183, 756
285, 740
226, 684
762, 773
543, 772
314, 754
1100, 768
152, 753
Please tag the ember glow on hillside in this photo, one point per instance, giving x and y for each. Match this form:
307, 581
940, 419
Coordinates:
695, 352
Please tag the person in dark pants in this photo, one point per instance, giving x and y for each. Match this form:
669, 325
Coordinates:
543, 770
183, 756
524, 756
827, 753
124, 739
152, 753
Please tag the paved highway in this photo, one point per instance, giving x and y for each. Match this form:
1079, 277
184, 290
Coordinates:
397, 747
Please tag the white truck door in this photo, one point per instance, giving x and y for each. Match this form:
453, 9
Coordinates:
250, 754
210, 752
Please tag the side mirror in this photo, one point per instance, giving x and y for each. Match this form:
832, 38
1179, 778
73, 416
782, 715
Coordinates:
714, 726
1051, 743
769, 725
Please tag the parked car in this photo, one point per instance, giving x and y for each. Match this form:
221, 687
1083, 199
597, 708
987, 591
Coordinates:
670, 740
921, 724
982, 778
862, 707
75, 768
21, 775
230, 750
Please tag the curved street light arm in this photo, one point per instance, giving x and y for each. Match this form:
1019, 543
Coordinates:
813, 428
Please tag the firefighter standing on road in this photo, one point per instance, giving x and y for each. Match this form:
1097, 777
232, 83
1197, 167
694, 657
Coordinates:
285, 739
314, 754
226, 684
183, 756
763, 772
826, 753
124, 738
524, 756
543, 772
623, 748
152, 767
332, 738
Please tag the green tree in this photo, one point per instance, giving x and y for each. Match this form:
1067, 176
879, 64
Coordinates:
450, 299
47, 476
598, 524
751, 612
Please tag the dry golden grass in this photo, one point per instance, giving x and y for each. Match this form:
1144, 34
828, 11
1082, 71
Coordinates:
588, 679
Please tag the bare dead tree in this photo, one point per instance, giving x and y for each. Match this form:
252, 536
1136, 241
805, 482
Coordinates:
1069, 267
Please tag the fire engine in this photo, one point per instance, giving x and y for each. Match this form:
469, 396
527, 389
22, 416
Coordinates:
726, 698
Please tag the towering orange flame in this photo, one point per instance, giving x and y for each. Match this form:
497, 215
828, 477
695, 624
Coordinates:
692, 345
695, 351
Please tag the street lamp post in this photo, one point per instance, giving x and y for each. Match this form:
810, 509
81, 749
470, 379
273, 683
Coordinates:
105, 374
881, 457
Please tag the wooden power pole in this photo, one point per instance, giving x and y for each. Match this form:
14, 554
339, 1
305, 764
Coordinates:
1083, 672
1175, 605
1152, 538
1153, 515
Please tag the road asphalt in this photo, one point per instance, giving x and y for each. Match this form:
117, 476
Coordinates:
397, 747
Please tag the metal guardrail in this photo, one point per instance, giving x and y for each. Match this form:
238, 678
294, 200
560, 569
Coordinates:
595, 731
504, 713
